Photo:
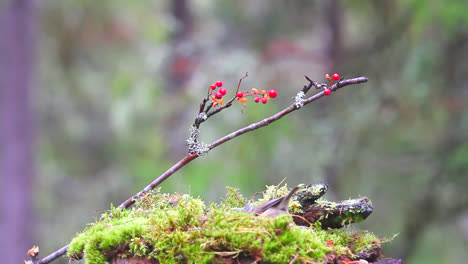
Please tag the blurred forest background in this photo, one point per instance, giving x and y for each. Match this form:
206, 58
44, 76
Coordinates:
96, 99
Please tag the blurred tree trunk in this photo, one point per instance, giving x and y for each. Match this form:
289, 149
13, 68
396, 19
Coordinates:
181, 61
16, 123
334, 45
181, 65
333, 50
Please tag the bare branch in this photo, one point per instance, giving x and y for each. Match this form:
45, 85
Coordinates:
240, 81
199, 120
190, 157
282, 113
159, 180
62, 251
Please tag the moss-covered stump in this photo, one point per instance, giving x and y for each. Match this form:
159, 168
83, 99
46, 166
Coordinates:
328, 214
175, 228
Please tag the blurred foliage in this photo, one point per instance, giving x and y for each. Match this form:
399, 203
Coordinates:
111, 120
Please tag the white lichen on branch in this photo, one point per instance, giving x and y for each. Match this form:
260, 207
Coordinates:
195, 147
299, 99
202, 116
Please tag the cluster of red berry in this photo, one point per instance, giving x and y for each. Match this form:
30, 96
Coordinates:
260, 96
334, 77
219, 94
221, 91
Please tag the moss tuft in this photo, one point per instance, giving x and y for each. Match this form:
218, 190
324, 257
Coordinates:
175, 228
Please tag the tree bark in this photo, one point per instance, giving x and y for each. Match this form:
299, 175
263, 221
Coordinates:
16, 129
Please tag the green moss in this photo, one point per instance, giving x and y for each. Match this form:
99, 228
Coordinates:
273, 191
178, 228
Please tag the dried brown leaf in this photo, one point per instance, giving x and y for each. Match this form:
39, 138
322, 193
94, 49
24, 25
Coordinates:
33, 252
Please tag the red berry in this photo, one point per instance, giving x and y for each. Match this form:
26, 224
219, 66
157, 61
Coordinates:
327, 91
213, 86
257, 99
264, 100
336, 76
219, 83
240, 94
272, 93
223, 91
218, 95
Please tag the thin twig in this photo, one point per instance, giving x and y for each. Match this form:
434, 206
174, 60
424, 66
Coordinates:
282, 113
190, 157
55, 255
295, 257
198, 120
229, 103
159, 180
240, 81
